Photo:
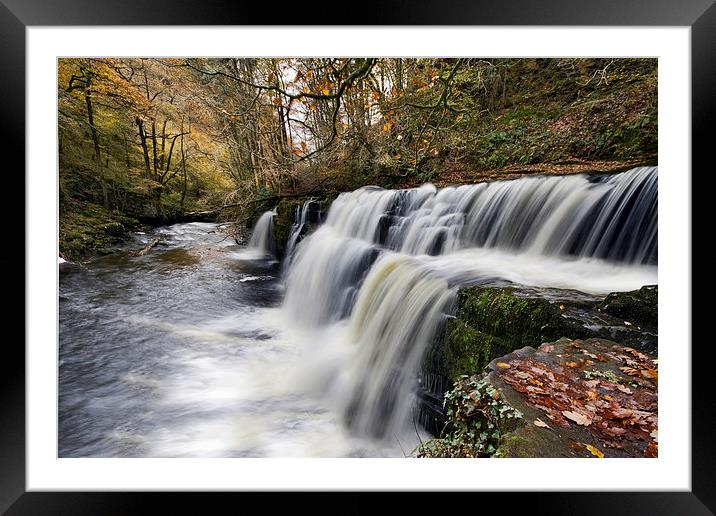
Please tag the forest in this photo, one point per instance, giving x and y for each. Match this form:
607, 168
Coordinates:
153, 141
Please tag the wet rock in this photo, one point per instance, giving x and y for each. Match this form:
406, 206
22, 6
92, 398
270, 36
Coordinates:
595, 398
590, 398
114, 229
491, 322
638, 307
286, 216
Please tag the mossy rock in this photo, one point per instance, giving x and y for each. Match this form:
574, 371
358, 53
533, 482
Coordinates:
114, 229
637, 306
491, 322
89, 228
468, 350
282, 222
286, 216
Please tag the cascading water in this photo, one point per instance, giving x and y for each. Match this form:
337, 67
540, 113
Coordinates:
262, 242
301, 221
212, 356
392, 260
395, 318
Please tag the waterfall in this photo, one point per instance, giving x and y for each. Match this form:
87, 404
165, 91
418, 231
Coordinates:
388, 264
262, 241
395, 319
301, 219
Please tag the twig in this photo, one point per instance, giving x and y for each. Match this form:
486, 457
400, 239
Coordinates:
401, 446
144, 250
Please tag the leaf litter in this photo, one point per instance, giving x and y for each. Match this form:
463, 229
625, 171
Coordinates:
615, 401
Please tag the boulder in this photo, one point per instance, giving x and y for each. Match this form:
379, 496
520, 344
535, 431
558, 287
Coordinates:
568, 398
490, 322
638, 307
286, 216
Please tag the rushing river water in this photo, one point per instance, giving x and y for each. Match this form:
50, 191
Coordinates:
183, 352
203, 349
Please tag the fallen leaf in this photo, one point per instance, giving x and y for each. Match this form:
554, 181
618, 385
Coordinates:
594, 451
650, 373
622, 413
577, 418
575, 446
540, 423
624, 389
630, 371
503, 365
592, 394
654, 434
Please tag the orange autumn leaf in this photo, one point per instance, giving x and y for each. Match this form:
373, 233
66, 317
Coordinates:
578, 418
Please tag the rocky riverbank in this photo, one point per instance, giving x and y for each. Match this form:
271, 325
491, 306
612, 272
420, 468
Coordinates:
569, 398
537, 376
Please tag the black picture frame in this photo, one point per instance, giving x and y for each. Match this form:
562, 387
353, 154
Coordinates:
16, 15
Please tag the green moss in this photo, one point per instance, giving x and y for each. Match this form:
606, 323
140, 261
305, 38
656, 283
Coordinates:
638, 306
491, 322
467, 350
513, 446
89, 228
518, 321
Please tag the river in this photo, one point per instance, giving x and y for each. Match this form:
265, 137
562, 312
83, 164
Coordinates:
202, 348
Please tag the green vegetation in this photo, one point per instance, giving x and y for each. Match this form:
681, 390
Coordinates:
90, 226
491, 322
163, 140
637, 307
478, 418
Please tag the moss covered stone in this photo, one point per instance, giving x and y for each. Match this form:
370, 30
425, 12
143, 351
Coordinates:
284, 219
91, 229
468, 350
491, 322
286, 216
638, 306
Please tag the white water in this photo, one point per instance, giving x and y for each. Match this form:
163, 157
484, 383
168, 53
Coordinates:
390, 263
262, 243
296, 232
204, 362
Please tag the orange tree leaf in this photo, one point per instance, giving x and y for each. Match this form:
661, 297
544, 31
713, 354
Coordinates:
577, 417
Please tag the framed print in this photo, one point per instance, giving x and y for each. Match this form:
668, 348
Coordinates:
403, 256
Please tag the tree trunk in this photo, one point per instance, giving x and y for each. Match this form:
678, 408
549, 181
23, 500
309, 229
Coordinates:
97, 153
183, 164
145, 150
154, 149
164, 139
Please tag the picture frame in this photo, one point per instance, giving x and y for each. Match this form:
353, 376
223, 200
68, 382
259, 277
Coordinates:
700, 15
